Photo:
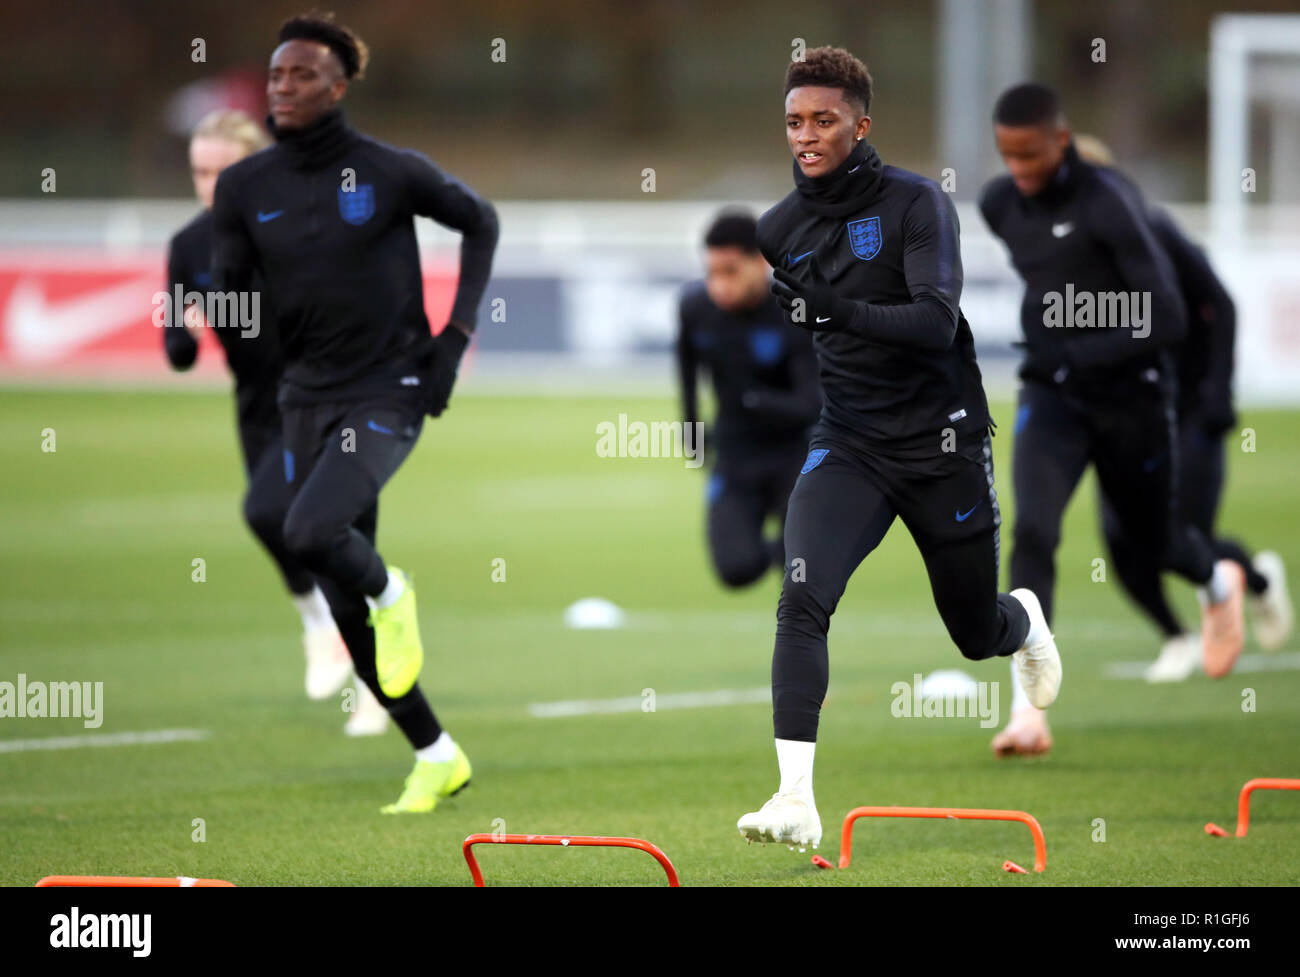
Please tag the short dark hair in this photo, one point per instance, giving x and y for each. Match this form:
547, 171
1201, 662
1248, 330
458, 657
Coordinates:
1029, 104
733, 229
832, 67
343, 41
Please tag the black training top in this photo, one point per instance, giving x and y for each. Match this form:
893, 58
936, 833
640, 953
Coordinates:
904, 370
1205, 358
1088, 230
763, 370
327, 215
254, 360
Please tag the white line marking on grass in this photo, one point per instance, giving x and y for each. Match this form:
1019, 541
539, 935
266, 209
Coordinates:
1286, 662
632, 703
105, 739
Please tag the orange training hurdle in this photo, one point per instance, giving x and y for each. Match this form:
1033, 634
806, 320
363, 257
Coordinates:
133, 881
564, 841
1243, 802
961, 813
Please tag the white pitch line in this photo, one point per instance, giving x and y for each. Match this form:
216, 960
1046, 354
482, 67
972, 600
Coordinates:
634, 703
105, 739
1285, 662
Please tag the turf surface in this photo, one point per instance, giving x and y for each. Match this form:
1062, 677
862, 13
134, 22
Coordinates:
98, 540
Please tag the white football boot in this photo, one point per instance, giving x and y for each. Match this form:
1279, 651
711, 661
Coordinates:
790, 818
328, 663
370, 718
1180, 656
1271, 612
1038, 665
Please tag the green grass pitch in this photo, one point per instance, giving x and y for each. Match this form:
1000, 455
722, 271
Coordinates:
97, 543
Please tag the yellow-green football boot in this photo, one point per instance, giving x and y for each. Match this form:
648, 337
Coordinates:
398, 652
429, 782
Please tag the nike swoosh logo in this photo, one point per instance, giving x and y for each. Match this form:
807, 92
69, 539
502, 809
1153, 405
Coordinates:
823, 318
378, 427
963, 516
40, 329
263, 217
789, 261
1060, 230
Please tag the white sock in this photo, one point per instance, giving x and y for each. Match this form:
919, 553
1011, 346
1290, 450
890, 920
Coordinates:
439, 751
1038, 630
391, 592
1219, 587
1019, 699
314, 609
795, 760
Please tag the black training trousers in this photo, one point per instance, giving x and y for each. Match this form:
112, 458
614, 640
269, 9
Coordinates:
337, 457
744, 489
1200, 487
842, 505
267, 499
1128, 432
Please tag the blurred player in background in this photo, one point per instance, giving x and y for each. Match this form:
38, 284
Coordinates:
764, 376
1093, 392
221, 138
328, 217
868, 259
1205, 416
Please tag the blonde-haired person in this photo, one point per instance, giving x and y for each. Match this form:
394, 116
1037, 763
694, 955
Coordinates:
221, 138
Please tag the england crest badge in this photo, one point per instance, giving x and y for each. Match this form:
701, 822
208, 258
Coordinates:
357, 206
865, 237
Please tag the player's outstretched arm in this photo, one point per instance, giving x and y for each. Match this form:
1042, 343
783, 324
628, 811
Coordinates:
181, 348
446, 200
1210, 309
452, 204
687, 368
1117, 217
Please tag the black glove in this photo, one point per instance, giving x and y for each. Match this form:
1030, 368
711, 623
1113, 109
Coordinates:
822, 310
444, 358
1216, 415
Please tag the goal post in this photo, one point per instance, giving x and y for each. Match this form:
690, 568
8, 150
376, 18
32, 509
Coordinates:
1254, 60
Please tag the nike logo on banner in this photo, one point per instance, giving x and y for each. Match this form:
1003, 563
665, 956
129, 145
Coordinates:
40, 329
794, 261
263, 217
963, 516
1060, 230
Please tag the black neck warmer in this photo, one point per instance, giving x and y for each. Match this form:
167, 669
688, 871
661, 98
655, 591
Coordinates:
315, 145
1063, 181
845, 189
